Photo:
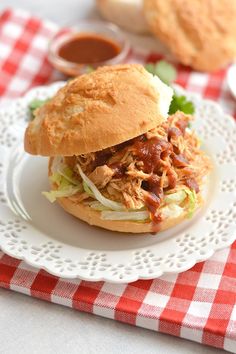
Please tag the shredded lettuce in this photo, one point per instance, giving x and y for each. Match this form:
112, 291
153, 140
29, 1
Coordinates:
87, 189
58, 167
110, 204
98, 206
171, 211
172, 201
176, 197
125, 215
57, 162
63, 173
62, 176
55, 178
66, 191
67, 186
60, 180
192, 197
67, 173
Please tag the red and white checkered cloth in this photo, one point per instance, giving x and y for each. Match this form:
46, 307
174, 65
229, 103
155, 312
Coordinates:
199, 304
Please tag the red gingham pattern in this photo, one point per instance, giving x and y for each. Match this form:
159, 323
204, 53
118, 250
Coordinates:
199, 304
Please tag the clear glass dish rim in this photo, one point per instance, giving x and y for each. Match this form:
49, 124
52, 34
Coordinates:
58, 39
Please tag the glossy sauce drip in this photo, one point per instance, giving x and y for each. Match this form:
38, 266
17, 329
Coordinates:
151, 152
171, 178
154, 197
153, 200
88, 48
179, 160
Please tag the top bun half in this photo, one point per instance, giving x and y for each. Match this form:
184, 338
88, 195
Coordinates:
98, 110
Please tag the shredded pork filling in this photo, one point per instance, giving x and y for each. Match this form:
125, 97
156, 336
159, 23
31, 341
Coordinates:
140, 172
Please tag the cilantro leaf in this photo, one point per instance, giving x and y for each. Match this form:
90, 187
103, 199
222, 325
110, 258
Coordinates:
165, 71
180, 103
36, 103
150, 68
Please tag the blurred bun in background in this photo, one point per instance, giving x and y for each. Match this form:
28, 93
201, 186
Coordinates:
127, 14
199, 33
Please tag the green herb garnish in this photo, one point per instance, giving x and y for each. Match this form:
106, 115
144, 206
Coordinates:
180, 103
36, 103
165, 71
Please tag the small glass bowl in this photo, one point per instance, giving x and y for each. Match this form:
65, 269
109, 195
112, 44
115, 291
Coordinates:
104, 29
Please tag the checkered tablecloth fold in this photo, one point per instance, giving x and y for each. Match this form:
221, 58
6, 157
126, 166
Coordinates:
199, 304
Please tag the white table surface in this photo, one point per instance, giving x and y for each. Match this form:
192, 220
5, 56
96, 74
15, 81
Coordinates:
30, 326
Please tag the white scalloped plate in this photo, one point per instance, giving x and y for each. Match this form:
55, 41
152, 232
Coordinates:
46, 237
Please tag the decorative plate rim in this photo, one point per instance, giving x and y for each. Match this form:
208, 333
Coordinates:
219, 219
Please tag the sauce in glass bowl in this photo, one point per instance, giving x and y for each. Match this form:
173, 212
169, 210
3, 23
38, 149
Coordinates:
88, 48
91, 44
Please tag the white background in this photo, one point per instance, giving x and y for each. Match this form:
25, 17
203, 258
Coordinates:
30, 326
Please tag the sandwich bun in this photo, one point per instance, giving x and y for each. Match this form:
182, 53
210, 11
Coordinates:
127, 14
199, 33
95, 111
93, 217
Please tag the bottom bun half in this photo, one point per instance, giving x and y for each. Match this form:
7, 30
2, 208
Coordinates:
93, 217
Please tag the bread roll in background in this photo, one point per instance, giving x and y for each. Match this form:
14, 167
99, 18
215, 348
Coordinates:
199, 33
127, 14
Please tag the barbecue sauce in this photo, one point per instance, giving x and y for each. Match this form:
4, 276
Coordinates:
88, 49
151, 152
154, 197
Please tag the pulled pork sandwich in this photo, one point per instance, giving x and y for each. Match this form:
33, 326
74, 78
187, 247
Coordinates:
116, 159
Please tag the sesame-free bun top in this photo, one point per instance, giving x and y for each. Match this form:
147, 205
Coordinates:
200, 33
94, 111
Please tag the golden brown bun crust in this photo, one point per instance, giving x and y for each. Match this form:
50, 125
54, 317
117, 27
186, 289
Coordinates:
93, 217
200, 33
95, 111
